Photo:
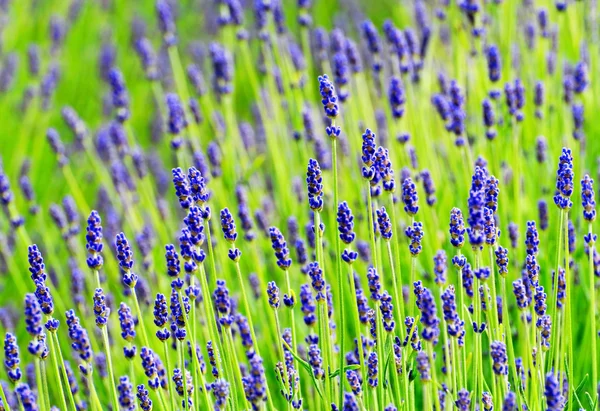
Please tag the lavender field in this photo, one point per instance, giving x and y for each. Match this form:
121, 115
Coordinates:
299, 205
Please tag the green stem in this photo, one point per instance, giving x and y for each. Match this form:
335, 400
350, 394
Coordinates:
593, 308
210, 318
355, 317
396, 279
42, 366
169, 373
292, 318
568, 326
338, 266
141, 317
324, 334
380, 356
57, 370
436, 398
555, 324
286, 383
110, 369
186, 404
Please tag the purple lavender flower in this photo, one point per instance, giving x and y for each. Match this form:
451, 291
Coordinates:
384, 224
150, 369
220, 390
397, 97
532, 240
126, 322
125, 257
166, 22
371, 36
148, 58
577, 112
463, 402
544, 324
316, 361
57, 146
11, 358
273, 293
228, 225
409, 197
340, 70
374, 283
307, 302
539, 99
499, 357
120, 95
543, 214
489, 119
424, 366
328, 96
176, 117
314, 182
489, 226
101, 311
126, 398
222, 69
415, 235
457, 228
502, 260
280, 248
144, 398
426, 304
555, 401
345, 221
494, 63
94, 241
564, 180
428, 187
372, 365
580, 77
588, 201
33, 315
440, 267
386, 307
26, 396
510, 402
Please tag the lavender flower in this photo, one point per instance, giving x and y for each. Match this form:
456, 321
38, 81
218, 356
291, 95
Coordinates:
457, 228
564, 180
280, 248
328, 96
11, 358
101, 311
499, 357
273, 293
94, 241
423, 366
426, 304
372, 363
588, 201
166, 22
440, 263
409, 197
384, 224
555, 401
543, 214
396, 97
415, 235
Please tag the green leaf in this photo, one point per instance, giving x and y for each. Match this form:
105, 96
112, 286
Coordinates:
346, 368
591, 401
579, 388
